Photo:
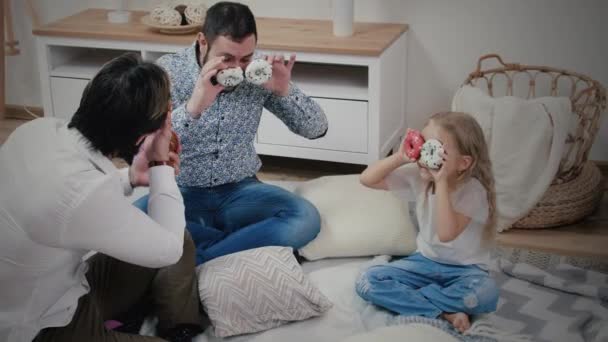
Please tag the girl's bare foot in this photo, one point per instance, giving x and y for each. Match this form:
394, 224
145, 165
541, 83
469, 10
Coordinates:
459, 320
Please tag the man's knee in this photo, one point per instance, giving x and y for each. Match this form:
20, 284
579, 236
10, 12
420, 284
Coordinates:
307, 213
304, 223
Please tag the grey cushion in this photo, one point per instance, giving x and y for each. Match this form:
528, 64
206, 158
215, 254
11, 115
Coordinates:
256, 290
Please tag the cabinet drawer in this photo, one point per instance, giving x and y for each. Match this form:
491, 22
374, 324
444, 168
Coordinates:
65, 95
347, 130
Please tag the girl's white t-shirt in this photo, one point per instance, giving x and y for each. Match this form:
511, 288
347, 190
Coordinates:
470, 199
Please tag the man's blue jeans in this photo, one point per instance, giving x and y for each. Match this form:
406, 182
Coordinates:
234, 217
417, 286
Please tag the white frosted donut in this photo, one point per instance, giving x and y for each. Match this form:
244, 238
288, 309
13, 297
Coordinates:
230, 77
166, 16
259, 71
195, 13
430, 154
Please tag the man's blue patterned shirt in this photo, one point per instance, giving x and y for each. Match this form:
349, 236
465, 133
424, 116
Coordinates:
218, 147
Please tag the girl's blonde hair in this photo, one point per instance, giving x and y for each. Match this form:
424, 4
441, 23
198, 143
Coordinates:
470, 141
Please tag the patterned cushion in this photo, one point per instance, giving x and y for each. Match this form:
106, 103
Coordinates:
256, 290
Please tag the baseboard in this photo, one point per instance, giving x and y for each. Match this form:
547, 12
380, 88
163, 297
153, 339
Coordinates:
19, 112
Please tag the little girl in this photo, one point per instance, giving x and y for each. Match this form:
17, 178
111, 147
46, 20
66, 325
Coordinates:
448, 275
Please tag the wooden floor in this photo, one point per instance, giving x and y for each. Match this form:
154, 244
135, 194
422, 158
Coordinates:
588, 238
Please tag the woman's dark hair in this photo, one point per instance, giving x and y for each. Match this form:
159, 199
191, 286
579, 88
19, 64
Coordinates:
229, 19
127, 98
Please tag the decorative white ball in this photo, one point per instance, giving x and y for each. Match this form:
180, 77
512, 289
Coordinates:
430, 154
166, 16
195, 13
230, 77
259, 71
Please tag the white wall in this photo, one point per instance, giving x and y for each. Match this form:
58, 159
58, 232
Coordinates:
445, 39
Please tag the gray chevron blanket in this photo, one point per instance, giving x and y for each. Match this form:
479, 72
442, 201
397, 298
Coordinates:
560, 304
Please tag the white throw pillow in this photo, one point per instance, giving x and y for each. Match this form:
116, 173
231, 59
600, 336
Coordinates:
356, 221
256, 290
399, 333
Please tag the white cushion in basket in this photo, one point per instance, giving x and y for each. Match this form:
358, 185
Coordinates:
526, 144
356, 221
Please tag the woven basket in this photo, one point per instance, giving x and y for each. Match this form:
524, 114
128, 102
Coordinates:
567, 203
576, 190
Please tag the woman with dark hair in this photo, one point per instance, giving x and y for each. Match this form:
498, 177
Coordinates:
78, 253
125, 101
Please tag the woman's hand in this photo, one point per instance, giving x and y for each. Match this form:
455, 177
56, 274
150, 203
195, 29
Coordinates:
155, 147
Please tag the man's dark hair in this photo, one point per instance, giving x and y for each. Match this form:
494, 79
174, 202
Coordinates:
229, 19
127, 98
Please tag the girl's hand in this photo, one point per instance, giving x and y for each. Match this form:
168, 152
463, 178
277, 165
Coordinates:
412, 144
447, 168
402, 153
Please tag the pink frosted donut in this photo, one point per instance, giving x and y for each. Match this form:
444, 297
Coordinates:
413, 144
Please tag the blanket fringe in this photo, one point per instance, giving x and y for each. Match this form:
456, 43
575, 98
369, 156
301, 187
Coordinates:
486, 329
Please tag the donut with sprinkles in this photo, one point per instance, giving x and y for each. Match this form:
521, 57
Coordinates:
230, 77
258, 72
431, 154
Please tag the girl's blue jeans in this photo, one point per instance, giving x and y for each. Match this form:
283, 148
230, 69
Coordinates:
417, 286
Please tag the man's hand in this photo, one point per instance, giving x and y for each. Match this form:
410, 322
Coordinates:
281, 74
205, 92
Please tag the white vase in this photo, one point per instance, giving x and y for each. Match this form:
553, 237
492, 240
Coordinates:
343, 16
121, 15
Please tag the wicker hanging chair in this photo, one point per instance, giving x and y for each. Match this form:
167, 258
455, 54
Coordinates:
577, 188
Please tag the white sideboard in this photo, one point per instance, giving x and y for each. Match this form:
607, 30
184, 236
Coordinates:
359, 81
